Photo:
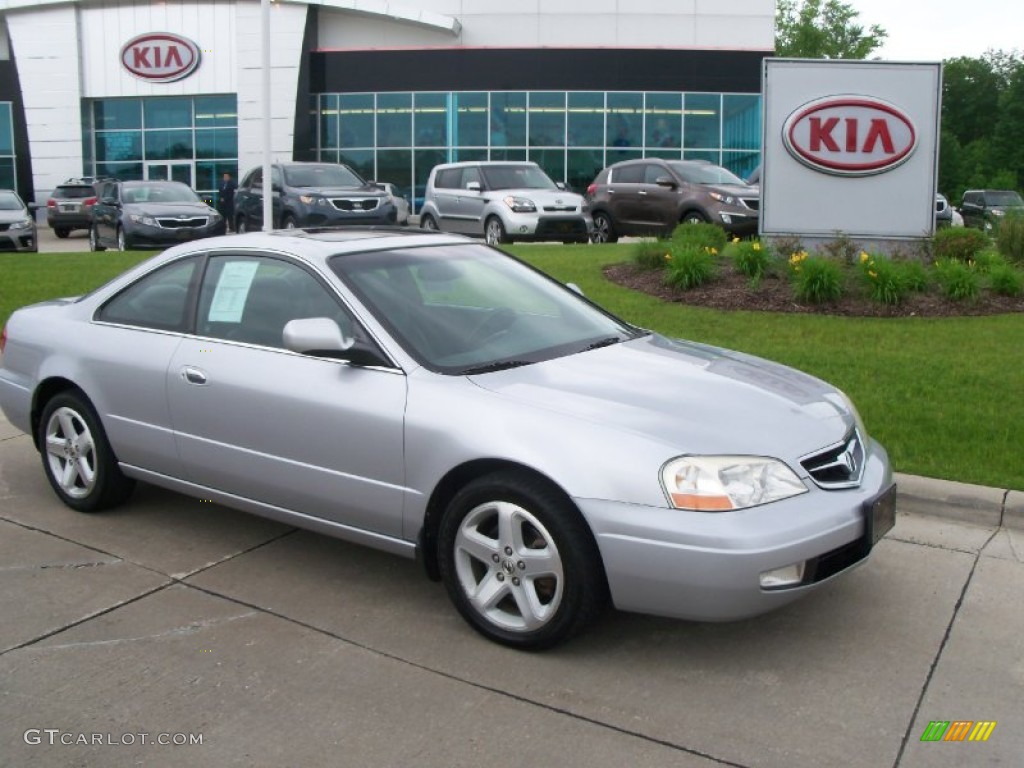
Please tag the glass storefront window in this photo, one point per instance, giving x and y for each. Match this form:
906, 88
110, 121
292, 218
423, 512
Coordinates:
465, 155
547, 119
551, 160
329, 136
625, 119
219, 142
359, 160
741, 121
394, 120
663, 120
395, 165
171, 112
430, 119
470, 119
124, 171
7, 178
741, 163
712, 156
586, 119
216, 111
355, 120
112, 146
582, 165
169, 145
508, 119
702, 120
6, 130
117, 114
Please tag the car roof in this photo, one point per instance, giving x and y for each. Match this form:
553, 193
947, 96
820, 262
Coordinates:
485, 163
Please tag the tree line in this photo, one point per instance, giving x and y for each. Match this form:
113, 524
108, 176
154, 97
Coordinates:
980, 144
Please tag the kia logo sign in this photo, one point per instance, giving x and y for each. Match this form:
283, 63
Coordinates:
849, 135
160, 57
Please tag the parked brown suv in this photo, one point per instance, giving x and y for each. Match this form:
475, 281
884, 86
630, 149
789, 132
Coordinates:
652, 196
70, 205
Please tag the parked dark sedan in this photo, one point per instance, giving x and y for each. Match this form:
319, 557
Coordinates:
150, 214
313, 195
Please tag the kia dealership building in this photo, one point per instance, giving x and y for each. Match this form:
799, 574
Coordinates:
171, 90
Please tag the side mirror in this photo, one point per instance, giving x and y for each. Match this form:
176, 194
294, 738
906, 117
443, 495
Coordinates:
575, 288
473, 186
275, 188
561, 185
665, 181
33, 206
321, 337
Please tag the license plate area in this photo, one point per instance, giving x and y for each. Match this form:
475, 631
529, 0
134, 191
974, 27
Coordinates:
880, 515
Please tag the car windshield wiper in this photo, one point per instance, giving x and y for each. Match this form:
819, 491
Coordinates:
607, 341
500, 365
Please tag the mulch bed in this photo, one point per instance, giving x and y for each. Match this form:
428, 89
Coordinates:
732, 291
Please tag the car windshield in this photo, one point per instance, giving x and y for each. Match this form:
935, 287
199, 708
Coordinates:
706, 174
158, 192
465, 309
10, 201
1007, 198
516, 177
321, 176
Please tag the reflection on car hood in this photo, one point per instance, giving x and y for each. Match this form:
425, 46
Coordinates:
693, 397
736, 190
365, 191
169, 209
542, 196
7, 217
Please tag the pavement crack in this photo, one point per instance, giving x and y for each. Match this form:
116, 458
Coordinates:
479, 686
942, 647
182, 631
180, 577
60, 566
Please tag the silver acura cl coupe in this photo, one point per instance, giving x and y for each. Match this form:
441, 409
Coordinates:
436, 398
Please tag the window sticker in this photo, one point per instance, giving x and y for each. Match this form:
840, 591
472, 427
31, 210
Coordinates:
232, 290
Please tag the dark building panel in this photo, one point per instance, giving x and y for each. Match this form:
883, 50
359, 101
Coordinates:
472, 69
10, 90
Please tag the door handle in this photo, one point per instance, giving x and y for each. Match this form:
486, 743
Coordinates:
193, 375
642, 192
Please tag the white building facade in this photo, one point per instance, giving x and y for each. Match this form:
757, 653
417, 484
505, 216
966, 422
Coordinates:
388, 88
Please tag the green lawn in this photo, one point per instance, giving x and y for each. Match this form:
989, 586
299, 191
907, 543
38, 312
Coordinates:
944, 395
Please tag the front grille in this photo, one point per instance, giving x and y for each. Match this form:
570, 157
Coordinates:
940, 206
838, 466
4, 227
753, 203
559, 208
355, 203
192, 221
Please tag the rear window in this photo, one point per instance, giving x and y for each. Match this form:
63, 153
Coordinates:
74, 192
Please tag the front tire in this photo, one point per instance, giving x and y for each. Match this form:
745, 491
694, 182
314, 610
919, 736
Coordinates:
518, 561
77, 457
242, 225
604, 232
288, 223
494, 231
94, 240
122, 241
693, 217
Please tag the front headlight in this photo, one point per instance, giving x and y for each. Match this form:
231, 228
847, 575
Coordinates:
21, 224
520, 204
313, 199
998, 213
727, 199
149, 221
722, 483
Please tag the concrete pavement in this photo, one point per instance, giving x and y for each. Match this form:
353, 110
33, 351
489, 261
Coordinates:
182, 620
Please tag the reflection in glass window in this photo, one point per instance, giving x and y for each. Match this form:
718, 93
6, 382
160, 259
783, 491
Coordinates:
586, 119
157, 300
117, 114
741, 163
168, 145
508, 119
118, 145
582, 165
329, 137
6, 129
359, 160
625, 119
701, 120
394, 119
547, 119
711, 155
219, 142
741, 121
430, 119
355, 120
395, 165
470, 119
7, 172
216, 111
173, 112
123, 171
663, 120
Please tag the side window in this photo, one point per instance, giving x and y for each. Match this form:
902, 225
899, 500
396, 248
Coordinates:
628, 174
275, 176
252, 298
469, 175
158, 300
448, 178
654, 172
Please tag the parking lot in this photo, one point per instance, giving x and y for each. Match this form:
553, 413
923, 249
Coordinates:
177, 618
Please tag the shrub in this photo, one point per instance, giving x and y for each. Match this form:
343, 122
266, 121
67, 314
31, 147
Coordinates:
751, 259
703, 234
915, 276
816, 280
690, 266
842, 249
958, 280
1010, 238
987, 260
883, 277
651, 254
959, 243
1006, 280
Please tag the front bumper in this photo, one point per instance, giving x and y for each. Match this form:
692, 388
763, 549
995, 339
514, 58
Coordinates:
707, 566
739, 224
144, 236
570, 227
330, 216
19, 240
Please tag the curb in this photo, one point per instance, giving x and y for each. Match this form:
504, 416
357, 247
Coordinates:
976, 504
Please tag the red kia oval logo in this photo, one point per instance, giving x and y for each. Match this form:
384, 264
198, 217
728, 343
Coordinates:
849, 135
160, 57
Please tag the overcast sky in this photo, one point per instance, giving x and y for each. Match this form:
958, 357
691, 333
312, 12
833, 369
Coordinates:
943, 29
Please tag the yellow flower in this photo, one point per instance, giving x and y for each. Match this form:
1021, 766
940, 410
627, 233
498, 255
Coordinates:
757, 246
872, 273
668, 257
864, 256
735, 239
712, 251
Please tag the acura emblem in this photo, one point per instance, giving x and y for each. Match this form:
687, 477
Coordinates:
849, 461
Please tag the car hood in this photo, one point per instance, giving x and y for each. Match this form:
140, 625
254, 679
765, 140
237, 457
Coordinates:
543, 197
8, 216
691, 397
366, 191
169, 209
736, 190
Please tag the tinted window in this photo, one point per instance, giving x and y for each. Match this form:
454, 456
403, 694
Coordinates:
654, 172
251, 299
320, 176
73, 193
706, 173
516, 177
448, 178
628, 174
158, 300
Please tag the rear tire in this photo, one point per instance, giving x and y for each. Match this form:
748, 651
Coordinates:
519, 562
427, 222
77, 457
61, 232
94, 240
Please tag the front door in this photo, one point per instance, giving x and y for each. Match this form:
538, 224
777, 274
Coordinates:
176, 171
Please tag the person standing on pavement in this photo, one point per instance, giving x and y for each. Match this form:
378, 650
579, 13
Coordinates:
226, 200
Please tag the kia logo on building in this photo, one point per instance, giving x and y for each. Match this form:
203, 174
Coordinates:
160, 57
849, 135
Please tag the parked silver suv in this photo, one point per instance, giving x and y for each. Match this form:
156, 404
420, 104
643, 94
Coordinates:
502, 202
